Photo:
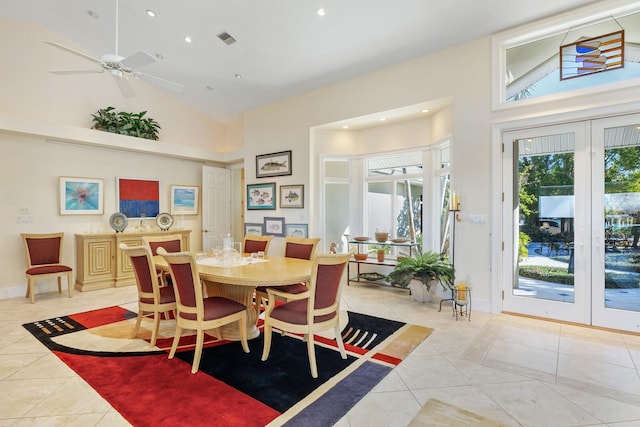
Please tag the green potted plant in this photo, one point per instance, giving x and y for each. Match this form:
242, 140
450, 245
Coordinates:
419, 272
131, 124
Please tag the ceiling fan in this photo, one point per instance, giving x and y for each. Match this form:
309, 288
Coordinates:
121, 68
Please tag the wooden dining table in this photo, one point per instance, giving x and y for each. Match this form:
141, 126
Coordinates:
238, 283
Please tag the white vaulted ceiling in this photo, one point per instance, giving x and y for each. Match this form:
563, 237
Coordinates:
282, 48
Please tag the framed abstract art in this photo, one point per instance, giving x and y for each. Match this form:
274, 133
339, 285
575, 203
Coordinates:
81, 196
138, 198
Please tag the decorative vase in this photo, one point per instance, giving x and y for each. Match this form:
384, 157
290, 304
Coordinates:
419, 291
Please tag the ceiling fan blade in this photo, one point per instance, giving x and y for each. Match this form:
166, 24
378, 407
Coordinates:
75, 52
65, 72
160, 82
126, 89
137, 60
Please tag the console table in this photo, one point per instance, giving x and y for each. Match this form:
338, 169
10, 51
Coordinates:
101, 264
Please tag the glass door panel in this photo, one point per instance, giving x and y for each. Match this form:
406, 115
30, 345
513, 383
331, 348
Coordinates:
616, 227
543, 200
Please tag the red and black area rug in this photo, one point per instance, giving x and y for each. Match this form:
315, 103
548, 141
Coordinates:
232, 388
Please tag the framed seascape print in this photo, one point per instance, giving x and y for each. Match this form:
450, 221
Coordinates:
184, 199
274, 164
81, 196
292, 196
296, 230
261, 196
138, 198
252, 228
273, 226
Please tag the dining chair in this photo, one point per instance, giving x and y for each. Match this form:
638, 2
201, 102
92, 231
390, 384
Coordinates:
152, 298
171, 243
315, 310
196, 312
44, 255
254, 243
295, 247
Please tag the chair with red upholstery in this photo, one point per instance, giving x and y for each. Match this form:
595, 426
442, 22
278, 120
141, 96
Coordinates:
44, 257
152, 298
196, 312
295, 247
171, 243
315, 310
254, 243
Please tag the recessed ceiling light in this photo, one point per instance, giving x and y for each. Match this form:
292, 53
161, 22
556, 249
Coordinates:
151, 13
159, 56
92, 14
320, 12
382, 119
187, 39
425, 111
345, 127
209, 88
237, 76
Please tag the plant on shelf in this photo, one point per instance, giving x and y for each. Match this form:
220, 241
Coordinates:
427, 267
123, 123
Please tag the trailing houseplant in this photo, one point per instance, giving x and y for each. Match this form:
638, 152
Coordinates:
123, 123
427, 267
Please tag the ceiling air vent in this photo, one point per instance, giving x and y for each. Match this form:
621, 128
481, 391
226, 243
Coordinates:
226, 37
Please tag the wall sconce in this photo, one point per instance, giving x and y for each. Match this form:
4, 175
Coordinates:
454, 202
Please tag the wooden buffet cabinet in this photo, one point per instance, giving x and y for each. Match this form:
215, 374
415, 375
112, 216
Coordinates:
101, 264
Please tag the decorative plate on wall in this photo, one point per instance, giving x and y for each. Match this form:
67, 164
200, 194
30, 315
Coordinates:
164, 221
118, 221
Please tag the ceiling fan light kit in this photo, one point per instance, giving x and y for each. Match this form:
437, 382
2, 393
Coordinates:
120, 67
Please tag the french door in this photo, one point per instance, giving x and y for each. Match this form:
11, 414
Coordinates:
571, 220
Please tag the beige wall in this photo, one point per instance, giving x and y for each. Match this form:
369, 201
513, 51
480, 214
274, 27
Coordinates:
29, 175
446, 74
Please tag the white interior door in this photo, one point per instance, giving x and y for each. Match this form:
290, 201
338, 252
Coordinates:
216, 205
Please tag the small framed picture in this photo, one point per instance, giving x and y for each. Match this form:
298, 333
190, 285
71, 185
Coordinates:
292, 196
273, 164
81, 196
253, 228
184, 199
261, 196
296, 230
273, 226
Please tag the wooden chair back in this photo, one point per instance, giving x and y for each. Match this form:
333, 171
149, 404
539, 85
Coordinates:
43, 249
300, 247
170, 242
254, 243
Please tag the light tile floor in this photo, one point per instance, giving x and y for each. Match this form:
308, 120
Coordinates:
513, 370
